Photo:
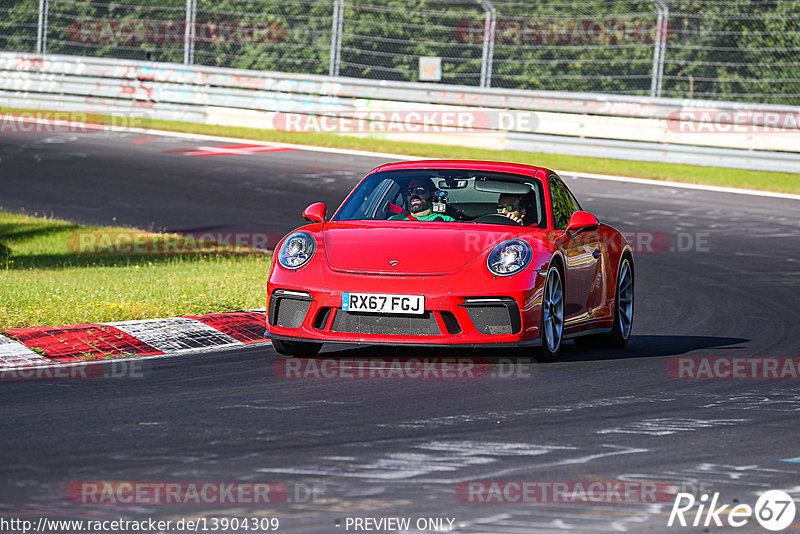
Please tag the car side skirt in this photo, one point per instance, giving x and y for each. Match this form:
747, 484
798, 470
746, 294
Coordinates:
592, 332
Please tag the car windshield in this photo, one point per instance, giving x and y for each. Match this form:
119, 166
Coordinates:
460, 195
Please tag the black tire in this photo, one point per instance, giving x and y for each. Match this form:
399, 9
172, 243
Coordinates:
621, 333
552, 339
296, 348
617, 338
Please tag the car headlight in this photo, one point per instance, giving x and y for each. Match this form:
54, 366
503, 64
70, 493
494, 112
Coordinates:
296, 250
509, 257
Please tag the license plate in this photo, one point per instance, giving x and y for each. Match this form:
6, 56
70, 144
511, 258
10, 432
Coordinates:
380, 303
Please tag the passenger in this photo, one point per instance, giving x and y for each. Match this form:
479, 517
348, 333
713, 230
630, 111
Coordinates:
419, 200
509, 205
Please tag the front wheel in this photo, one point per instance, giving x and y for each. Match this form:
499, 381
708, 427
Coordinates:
552, 328
296, 348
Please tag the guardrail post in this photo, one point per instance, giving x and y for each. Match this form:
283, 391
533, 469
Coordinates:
41, 35
189, 32
336, 37
489, 28
660, 48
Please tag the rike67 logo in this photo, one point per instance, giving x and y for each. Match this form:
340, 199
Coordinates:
774, 510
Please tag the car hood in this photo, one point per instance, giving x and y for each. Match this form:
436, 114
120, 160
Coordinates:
415, 248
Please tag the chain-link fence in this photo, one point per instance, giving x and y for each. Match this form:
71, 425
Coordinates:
734, 50
384, 40
711, 49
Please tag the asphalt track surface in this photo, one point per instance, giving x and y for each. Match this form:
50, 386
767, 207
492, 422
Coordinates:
378, 448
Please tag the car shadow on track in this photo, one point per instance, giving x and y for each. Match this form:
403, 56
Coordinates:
653, 346
646, 346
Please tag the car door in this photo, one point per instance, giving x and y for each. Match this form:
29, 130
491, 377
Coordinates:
581, 255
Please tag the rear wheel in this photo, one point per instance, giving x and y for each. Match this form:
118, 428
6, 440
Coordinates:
552, 329
623, 313
296, 348
623, 305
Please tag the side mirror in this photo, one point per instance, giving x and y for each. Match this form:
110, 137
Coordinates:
580, 222
316, 212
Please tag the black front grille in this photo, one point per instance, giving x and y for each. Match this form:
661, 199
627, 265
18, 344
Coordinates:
322, 318
369, 323
451, 323
495, 316
291, 312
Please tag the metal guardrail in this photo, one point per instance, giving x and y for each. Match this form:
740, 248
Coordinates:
582, 124
583, 103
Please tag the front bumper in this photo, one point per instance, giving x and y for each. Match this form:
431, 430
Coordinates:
460, 310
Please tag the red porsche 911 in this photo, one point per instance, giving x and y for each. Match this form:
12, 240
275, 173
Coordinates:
452, 253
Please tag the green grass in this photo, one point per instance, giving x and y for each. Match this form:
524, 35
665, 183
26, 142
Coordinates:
760, 180
44, 280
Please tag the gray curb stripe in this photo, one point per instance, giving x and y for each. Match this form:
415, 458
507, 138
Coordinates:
175, 334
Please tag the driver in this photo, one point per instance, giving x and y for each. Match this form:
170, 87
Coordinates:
509, 206
419, 199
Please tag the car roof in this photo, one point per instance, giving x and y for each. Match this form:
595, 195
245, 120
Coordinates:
496, 166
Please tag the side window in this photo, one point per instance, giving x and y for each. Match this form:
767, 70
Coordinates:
563, 207
575, 205
374, 204
393, 202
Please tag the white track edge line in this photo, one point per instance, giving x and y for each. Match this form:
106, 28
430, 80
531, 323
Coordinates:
589, 176
681, 185
403, 157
